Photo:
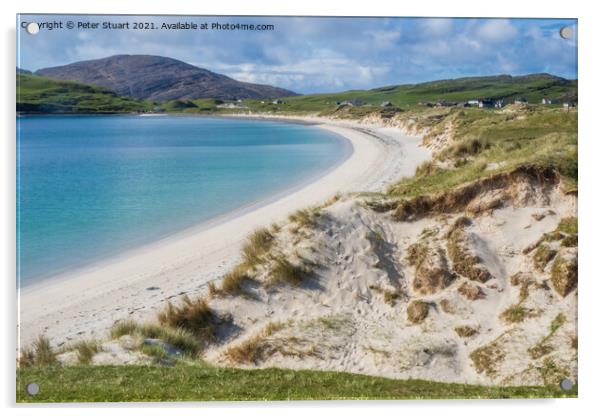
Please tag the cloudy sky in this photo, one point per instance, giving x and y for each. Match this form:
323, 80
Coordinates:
310, 54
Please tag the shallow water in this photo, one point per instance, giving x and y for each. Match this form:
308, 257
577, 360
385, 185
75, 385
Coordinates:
89, 187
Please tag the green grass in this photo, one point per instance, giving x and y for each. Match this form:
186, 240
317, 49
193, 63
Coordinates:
177, 337
38, 94
532, 87
488, 142
45, 95
198, 382
568, 225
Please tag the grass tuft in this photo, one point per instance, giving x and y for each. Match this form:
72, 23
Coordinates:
564, 275
543, 255
417, 311
193, 315
257, 245
180, 338
40, 352
305, 218
466, 331
285, 272
255, 349
517, 313
86, 350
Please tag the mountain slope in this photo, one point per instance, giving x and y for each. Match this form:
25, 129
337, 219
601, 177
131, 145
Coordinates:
159, 79
44, 95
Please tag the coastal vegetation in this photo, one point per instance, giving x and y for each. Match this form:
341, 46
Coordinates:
482, 158
40, 95
200, 382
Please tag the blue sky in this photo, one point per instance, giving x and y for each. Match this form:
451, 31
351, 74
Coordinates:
311, 54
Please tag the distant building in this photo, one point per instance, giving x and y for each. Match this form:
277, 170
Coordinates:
386, 104
277, 102
546, 101
474, 103
520, 100
486, 104
232, 106
351, 103
499, 103
569, 105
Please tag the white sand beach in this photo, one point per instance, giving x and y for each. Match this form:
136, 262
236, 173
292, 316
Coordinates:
86, 302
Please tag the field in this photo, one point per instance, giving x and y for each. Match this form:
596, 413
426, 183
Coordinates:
197, 382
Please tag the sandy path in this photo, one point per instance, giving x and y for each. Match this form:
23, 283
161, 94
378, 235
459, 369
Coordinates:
137, 283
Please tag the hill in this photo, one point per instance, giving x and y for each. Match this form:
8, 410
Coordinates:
532, 87
159, 78
44, 95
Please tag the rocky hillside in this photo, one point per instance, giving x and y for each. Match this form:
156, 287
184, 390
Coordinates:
158, 78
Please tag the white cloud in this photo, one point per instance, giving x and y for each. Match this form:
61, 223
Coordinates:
497, 30
436, 27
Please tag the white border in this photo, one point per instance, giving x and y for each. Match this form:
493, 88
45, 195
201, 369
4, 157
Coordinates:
590, 149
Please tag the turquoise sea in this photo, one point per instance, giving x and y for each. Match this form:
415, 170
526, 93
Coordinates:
89, 187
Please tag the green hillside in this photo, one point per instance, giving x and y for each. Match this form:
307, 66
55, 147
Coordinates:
44, 95
531, 87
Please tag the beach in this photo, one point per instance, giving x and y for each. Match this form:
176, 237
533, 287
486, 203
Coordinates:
87, 302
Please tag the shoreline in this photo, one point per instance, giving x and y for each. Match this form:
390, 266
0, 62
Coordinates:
137, 283
204, 225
